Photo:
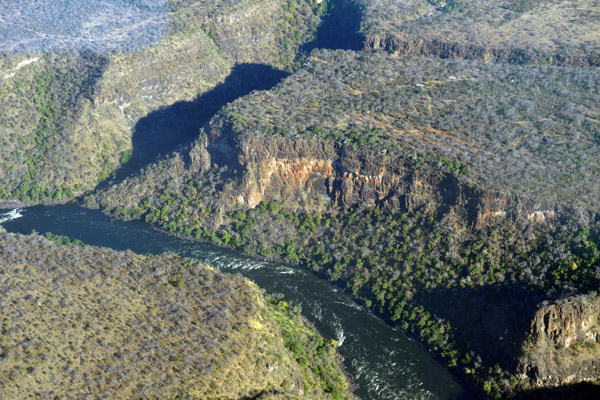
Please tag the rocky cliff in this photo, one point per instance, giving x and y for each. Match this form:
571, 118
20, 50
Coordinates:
382, 177
517, 32
420, 184
361, 130
71, 116
563, 343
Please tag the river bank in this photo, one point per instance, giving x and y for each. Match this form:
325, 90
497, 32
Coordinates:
383, 361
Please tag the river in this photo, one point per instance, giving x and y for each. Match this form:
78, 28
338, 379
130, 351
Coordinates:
385, 363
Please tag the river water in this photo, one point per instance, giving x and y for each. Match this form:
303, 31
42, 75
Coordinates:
385, 364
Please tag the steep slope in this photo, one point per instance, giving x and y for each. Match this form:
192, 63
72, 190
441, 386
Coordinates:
377, 172
70, 116
91, 322
563, 346
368, 130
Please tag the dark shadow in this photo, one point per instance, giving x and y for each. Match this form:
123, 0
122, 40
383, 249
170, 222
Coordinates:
339, 28
162, 131
492, 320
579, 391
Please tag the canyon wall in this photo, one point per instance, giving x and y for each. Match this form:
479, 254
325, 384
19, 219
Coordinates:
563, 345
71, 118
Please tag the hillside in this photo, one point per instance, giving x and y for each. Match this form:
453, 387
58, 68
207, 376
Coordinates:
381, 177
359, 129
513, 31
83, 99
446, 173
91, 322
70, 115
525, 132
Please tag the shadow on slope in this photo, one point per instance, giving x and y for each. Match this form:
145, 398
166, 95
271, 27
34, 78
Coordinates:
491, 320
339, 28
579, 391
162, 131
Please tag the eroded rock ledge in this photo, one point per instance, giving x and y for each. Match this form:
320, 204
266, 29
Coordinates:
563, 344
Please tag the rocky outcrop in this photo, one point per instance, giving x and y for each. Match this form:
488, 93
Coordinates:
446, 49
71, 119
312, 173
563, 345
493, 31
360, 131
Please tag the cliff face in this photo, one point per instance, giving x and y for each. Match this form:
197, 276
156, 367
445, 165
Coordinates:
313, 174
446, 49
429, 188
492, 31
363, 131
71, 118
563, 346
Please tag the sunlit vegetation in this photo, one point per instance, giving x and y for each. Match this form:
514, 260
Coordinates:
409, 267
538, 143
40, 109
514, 31
69, 119
83, 321
524, 130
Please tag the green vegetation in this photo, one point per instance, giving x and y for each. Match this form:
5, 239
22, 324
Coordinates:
317, 357
517, 32
83, 320
70, 120
414, 241
409, 267
38, 108
529, 131
423, 186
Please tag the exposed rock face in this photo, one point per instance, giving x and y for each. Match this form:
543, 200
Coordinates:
492, 31
311, 173
317, 172
371, 131
374, 139
564, 343
71, 118
407, 46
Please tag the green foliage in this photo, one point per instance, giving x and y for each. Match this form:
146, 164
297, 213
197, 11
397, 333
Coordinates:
504, 128
63, 240
88, 315
316, 356
395, 262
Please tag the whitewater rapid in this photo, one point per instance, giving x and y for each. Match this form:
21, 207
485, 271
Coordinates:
9, 216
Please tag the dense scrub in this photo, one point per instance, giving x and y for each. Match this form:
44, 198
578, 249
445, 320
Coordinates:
40, 111
529, 131
515, 144
519, 132
82, 321
515, 31
469, 296
421, 268
70, 117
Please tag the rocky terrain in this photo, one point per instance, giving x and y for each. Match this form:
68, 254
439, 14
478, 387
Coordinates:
517, 32
563, 346
95, 323
70, 116
446, 175
469, 210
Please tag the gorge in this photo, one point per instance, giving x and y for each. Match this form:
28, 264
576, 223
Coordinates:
445, 177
